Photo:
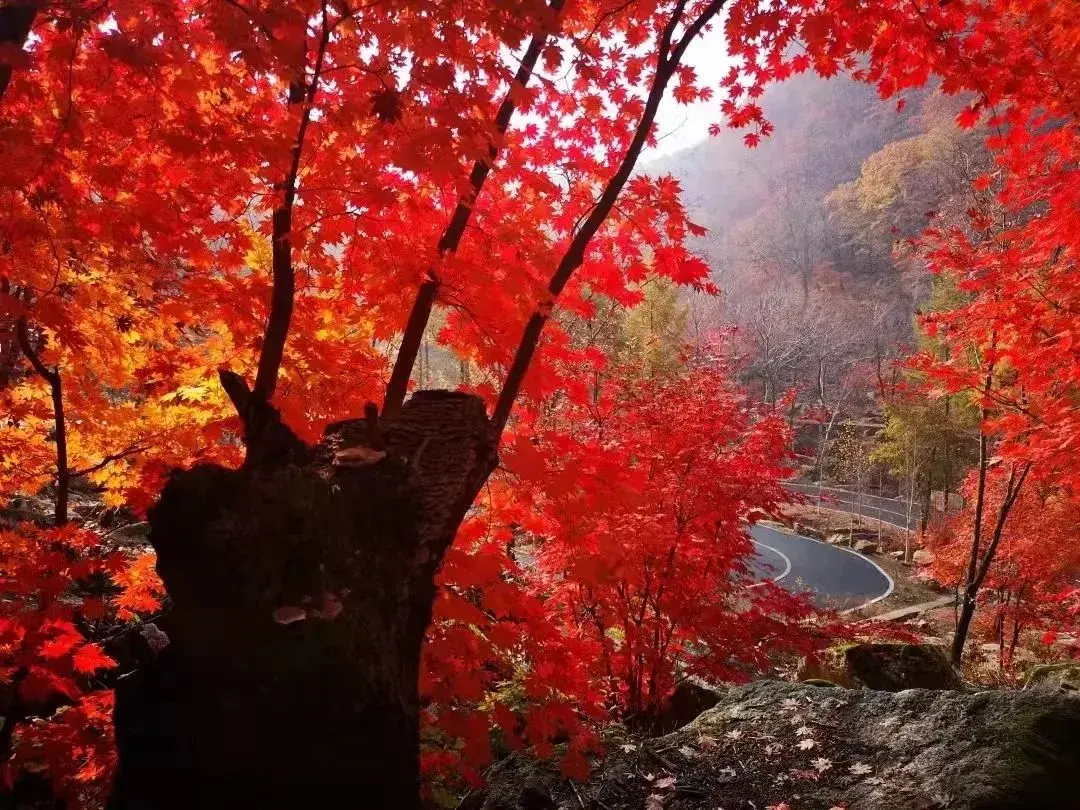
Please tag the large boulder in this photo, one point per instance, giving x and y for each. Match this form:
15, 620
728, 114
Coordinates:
770, 742
1064, 676
888, 667
895, 667
690, 699
922, 557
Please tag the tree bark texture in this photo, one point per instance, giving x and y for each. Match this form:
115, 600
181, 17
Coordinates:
301, 588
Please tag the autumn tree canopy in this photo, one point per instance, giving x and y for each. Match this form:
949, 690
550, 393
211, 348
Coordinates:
227, 225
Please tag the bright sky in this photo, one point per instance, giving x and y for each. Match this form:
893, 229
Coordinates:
680, 126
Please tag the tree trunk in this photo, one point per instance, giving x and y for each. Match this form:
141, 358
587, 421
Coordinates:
979, 568
928, 495
301, 588
16, 20
963, 625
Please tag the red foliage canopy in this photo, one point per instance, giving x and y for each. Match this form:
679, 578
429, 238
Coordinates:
149, 146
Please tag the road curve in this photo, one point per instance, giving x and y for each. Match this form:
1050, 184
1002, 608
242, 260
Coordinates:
834, 577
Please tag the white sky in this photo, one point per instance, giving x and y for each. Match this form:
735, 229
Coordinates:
679, 126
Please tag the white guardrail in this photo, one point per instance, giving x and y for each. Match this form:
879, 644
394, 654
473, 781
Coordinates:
902, 514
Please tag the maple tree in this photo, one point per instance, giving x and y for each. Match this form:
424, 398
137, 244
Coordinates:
1034, 559
292, 190
573, 594
680, 466
233, 138
1012, 341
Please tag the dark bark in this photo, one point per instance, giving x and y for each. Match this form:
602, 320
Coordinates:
12, 706
244, 708
56, 390
971, 590
16, 20
979, 567
301, 93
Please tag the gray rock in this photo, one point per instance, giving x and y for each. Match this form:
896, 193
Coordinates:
922, 557
912, 750
1064, 676
808, 531
866, 546
689, 700
888, 667
895, 667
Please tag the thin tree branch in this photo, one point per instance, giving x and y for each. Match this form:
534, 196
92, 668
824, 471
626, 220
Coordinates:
664, 46
575, 254
284, 288
52, 377
107, 460
1012, 491
455, 230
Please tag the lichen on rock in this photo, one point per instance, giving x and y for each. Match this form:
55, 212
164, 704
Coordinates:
771, 742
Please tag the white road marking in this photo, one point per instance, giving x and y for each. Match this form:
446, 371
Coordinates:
881, 570
863, 557
780, 554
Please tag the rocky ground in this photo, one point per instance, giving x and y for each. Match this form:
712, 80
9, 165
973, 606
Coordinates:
778, 745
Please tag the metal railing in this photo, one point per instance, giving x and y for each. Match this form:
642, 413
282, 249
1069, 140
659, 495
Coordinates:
895, 512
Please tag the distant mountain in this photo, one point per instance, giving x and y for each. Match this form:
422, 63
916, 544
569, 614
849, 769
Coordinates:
825, 129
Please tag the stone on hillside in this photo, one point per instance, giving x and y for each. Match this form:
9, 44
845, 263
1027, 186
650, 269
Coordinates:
866, 750
922, 557
1063, 676
689, 700
807, 531
866, 546
895, 667
864, 535
887, 667
838, 539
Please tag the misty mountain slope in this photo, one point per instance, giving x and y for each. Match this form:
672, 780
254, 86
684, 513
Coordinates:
825, 129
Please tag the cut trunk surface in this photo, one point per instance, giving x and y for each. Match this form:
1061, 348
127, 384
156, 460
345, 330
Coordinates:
301, 587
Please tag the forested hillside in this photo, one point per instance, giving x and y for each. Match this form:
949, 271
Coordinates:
809, 240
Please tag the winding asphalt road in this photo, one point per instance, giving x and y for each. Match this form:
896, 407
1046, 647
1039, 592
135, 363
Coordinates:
834, 577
